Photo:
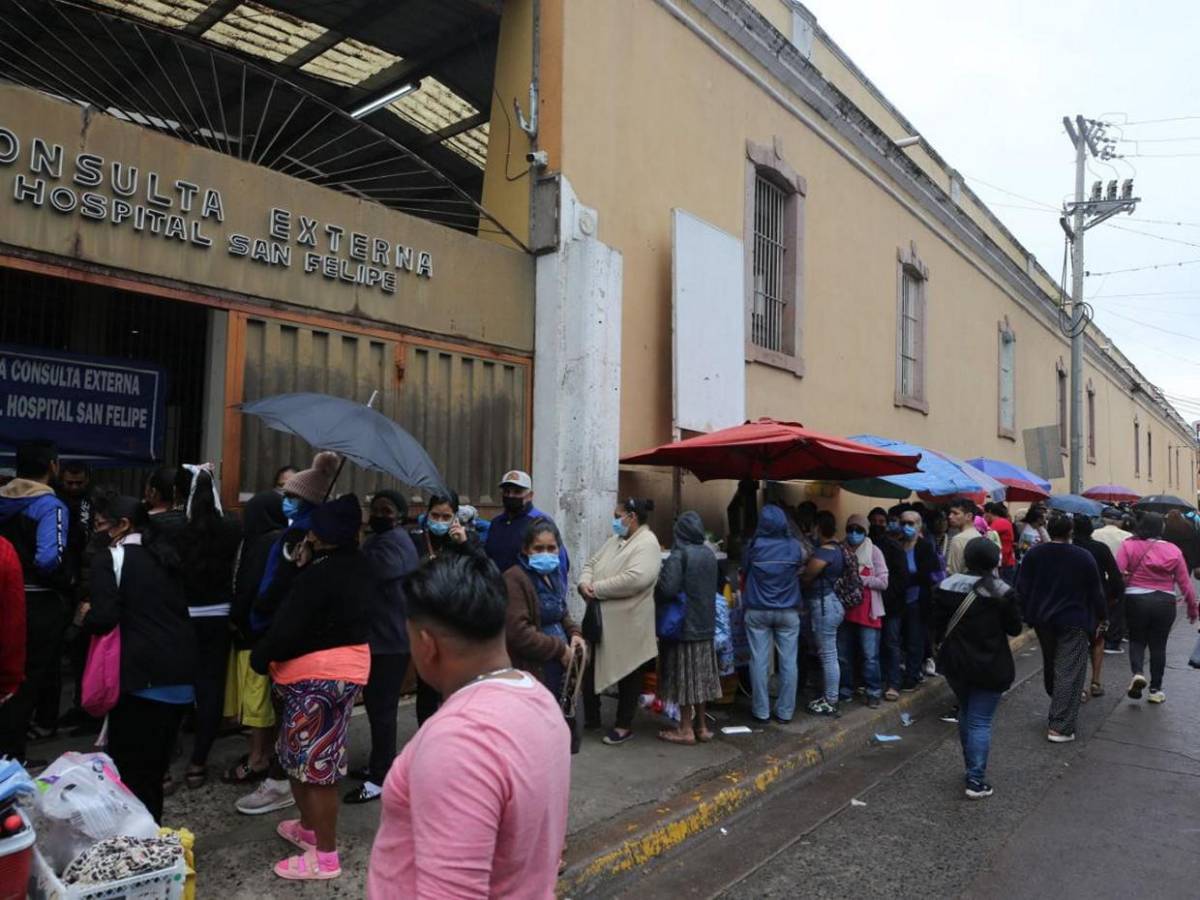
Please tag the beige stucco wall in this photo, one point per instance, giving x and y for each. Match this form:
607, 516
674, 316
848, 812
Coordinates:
477, 289
666, 126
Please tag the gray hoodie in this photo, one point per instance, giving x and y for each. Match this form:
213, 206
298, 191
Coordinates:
691, 568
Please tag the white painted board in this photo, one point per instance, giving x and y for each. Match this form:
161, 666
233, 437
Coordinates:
709, 325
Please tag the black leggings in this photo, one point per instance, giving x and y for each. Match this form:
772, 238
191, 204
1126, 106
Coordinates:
628, 689
1150, 618
381, 697
141, 738
212, 662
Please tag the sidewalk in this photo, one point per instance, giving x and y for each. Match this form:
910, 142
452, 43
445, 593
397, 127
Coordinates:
629, 803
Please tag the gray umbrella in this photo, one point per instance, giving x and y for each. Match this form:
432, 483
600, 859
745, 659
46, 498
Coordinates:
355, 431
1162, 503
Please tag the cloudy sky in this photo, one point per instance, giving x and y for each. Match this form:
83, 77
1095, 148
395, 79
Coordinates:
987, 85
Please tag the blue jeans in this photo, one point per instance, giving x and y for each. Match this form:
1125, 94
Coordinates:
850, 636
892, 653
826, 614
976, 710
779, 628
914, 644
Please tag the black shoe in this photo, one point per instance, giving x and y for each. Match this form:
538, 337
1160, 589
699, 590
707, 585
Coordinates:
783, 721
362, 795
950, 715
979, 790
614, 737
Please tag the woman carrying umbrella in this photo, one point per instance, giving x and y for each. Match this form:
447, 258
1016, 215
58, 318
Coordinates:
1153, 569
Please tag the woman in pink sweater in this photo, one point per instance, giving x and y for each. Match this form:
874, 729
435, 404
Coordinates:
1152, 568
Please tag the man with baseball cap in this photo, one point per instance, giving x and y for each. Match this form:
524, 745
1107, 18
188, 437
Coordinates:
506, 535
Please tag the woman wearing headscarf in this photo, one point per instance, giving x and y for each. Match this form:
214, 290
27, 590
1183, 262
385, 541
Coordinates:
392, 557
861, 629
620, 578
208, 546
137, 585
317, 653
688, 666
1153, 569
974, 614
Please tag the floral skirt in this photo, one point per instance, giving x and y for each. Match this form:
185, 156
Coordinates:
688, 672
314, 719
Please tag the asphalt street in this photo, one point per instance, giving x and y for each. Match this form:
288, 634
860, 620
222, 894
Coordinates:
1113, 814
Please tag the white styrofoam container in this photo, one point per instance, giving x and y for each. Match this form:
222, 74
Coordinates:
165, 884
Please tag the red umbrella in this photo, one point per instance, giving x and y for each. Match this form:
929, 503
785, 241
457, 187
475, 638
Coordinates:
775, 451
1112, 493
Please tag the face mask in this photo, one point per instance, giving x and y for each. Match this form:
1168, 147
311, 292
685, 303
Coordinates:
893, 527
620, 529
292, 507
545, 563
910, 531
854, 538
515, 506
380, 524
439, 528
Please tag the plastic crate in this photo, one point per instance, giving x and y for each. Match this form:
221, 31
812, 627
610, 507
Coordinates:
16, 858
165, 884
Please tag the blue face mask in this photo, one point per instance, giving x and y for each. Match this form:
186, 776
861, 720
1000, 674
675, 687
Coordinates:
545, 563
292, 507
854, 538
438, 528
620, 529
910, 531
893, 526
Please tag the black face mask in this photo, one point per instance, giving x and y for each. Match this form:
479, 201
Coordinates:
515, 506
380, 524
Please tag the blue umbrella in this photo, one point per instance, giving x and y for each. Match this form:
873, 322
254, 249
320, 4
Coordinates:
357, 432
940, 475
1073, 503
1006, 471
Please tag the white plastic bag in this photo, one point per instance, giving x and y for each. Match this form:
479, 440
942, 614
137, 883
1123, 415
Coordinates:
82, 801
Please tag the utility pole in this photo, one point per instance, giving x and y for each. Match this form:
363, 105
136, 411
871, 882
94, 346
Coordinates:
1088, 136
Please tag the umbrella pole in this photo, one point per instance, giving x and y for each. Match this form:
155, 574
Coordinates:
342, 460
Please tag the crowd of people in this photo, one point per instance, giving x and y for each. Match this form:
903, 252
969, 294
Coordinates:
279, 619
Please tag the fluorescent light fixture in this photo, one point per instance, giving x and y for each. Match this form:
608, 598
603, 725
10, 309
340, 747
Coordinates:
379, 102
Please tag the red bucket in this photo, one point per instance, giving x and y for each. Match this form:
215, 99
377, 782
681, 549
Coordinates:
16, 859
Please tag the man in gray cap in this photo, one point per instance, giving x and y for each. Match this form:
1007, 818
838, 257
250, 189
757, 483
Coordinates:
1112, 535
506, 535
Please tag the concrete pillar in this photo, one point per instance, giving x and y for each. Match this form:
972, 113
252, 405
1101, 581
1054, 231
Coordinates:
212, 437
577, 375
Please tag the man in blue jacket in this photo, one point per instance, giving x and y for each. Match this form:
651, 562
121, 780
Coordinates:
35, 522
506, 534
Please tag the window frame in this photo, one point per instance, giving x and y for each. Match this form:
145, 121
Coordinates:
1090, 412
1137, 448
1062, 400
910, 266
767, 162
1149, 453
1006, 341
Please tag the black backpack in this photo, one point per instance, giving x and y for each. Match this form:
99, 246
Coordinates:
849, 585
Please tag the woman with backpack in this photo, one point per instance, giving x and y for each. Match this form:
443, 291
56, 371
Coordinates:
974, 614
137, 586
688, 663
825, 610
863, 625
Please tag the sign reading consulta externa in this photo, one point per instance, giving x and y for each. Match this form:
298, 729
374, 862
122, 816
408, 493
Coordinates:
121, 194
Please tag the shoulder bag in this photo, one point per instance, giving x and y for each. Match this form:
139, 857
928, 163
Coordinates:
100, 686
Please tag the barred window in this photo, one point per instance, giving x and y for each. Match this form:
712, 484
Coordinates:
912, 280
770, 260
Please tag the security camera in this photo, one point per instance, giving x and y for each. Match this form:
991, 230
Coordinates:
539, 158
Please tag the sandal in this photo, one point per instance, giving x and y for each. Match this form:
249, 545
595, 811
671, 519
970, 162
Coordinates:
195, 778
305, 868
672, 737
1097, 689
704, 736
241, 773
289, 830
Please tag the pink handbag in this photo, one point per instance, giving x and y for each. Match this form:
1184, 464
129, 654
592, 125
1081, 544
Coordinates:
101, 686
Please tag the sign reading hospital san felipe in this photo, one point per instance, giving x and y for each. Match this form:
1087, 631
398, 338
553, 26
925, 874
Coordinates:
116, 194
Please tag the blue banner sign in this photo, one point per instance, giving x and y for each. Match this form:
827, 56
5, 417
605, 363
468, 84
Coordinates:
88, 405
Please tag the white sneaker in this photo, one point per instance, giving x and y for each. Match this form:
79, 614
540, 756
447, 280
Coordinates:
1136, 686
1156, 697
269, 796
930, 667
1057, 737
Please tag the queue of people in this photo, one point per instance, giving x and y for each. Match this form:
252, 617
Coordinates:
279, 621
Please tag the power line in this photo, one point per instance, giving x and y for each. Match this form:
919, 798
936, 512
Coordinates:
1157, 121
1158, 155
1178, 334
997, 187
1164, 222
1156, 140
1157, 237
1170, 265
1147, 294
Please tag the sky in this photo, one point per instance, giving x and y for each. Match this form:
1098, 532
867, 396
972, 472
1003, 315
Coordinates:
987, 84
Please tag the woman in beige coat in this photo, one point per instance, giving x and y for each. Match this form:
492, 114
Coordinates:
620, 578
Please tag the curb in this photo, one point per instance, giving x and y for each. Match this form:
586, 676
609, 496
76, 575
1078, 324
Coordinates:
631, 841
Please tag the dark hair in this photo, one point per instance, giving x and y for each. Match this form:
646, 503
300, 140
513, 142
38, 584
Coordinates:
115, 506
34, 458
1059, 525
967, 506
826, 524
541, 526
393, 497
1083, 526
1035, 513
1176, 527
460, 591
449, 498
996, 509
208, 544
877, 511
1149, 526
162, 480
898, 510
641, 507
76, 467
288, 468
